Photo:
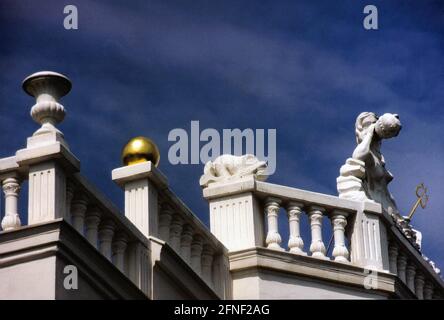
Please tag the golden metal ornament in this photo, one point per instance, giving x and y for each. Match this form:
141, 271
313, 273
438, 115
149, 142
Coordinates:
423, 198
140, 149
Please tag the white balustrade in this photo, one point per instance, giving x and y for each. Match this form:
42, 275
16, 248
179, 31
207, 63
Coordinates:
419, 285
11, 188
176, 232
339, 221
78, 211
402, 264
410, 276
295, 241
92, 222
317, 247
119, 246
106, 234
166, 215
239, 213
207, 262
273, 239
185, 242
196, 253
428, 290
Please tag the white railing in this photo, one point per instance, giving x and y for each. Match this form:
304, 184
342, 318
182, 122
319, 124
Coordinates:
58, 191
89, 212
101, 223
412, 269
245, 213
192, 240
158, 212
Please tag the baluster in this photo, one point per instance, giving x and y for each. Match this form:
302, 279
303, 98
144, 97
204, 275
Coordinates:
69, 197
410, 276
185, 242
196, 253
92, 222
428, 290
119, 245
106, 233
419, 285
339, 221
175, 232
295, 242
317, 247
217, 277
207, 262
79, 206
402, 263
165, 217
393, 257
273, 239
11, 188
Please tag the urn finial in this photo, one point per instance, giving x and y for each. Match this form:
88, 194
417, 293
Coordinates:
47, 87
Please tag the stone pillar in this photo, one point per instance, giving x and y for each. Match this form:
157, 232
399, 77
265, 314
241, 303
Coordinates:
78, 210
47, 192
106, 234
419, 285
119, 245
339, 221
196, 253
176, 232
402, 264
236, 216
92, 221
410, 276
273, 239
367, 227
295, 242
11, 188
428, 290
141, 183
393, 257
317, 247
185, 242
166, 215
207, 263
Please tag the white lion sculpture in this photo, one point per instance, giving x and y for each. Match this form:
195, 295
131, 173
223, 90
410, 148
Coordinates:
228, 167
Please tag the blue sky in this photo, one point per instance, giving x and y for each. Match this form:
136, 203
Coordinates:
305, 68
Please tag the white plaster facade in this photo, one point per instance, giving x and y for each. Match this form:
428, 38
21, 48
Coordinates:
158, 249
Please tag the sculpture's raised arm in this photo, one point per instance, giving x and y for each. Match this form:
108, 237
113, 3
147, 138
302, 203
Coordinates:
362, 151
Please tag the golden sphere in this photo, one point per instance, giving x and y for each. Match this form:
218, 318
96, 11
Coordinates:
140, 149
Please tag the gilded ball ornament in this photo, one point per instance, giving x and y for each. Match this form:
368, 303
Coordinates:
140, 149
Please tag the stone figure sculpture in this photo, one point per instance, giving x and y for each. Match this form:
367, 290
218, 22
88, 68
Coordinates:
228, 167
364, 176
